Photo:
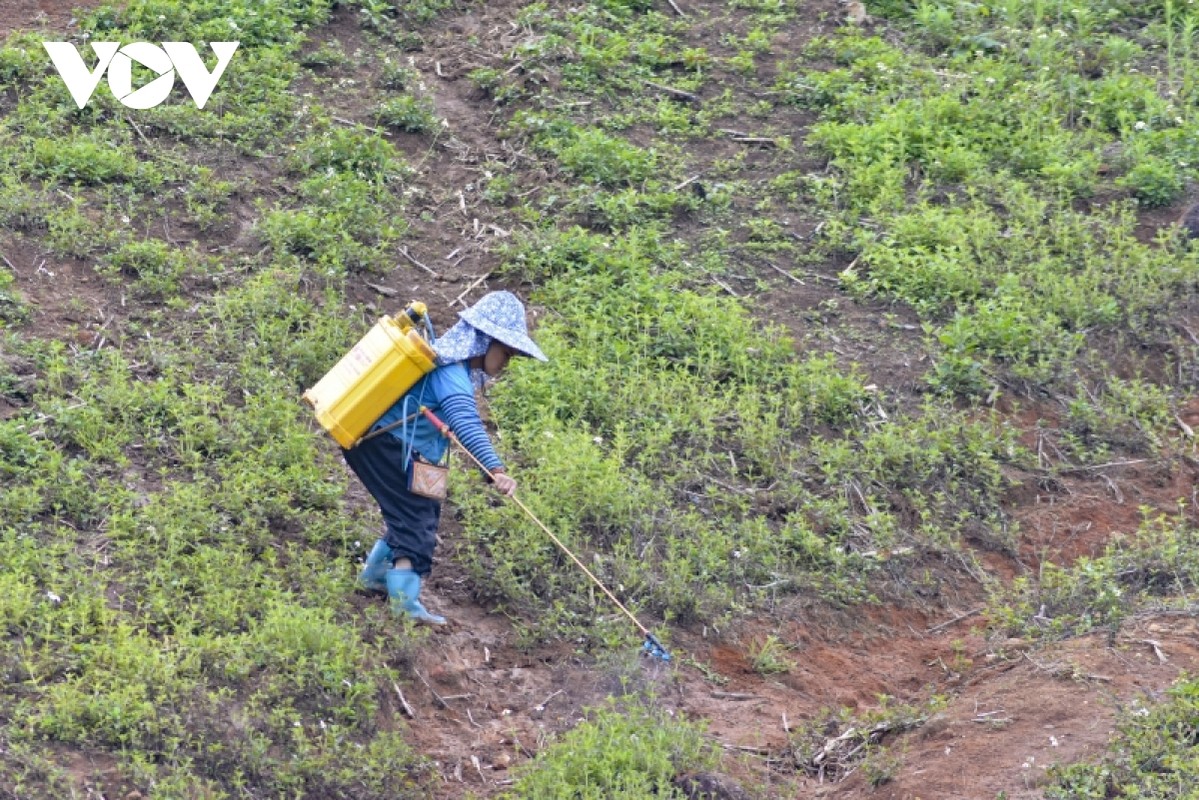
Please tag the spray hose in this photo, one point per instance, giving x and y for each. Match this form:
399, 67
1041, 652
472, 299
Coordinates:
651, 646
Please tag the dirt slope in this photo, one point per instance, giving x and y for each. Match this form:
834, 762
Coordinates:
483, 705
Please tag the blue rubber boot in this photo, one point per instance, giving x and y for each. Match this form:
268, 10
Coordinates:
374, 575
403, 587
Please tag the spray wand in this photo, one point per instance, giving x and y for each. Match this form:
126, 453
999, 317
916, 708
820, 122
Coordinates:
651, 645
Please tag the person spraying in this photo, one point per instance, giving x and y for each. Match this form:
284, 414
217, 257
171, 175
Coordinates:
402, 443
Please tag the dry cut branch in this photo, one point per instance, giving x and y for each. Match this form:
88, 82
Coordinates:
839, 756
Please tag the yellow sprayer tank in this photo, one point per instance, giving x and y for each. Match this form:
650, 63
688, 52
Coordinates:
384, 364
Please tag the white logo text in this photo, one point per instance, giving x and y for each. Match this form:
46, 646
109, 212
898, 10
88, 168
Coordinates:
166, 61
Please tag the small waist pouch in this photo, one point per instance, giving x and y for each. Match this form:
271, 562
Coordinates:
427, 479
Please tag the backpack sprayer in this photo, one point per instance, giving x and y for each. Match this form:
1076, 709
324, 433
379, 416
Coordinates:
385, 363
651, 646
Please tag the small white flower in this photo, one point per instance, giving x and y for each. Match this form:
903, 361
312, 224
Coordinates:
598, 440
53, 598
1141, 125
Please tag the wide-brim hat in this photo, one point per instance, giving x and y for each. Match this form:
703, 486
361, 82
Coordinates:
501, 316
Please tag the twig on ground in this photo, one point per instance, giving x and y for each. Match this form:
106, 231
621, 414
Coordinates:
1190, 333
956, 619
386, 291
468, 289
676, 93
1115, 489
784, 273
761, 751
1108, 464
354, 124
404, 253
137, 128
724, 286
429, 686
676, 8
1157, 650
407, 708
541, 706
475, 760
735, 696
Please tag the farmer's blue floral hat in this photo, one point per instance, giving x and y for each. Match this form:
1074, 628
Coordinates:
499, 316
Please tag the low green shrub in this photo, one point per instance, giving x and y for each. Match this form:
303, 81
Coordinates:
1151, 757
1153, 568
409, 113
625, 750
156, 268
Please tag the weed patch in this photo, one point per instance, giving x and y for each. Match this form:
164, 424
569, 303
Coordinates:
1153, 569
1150, 757
623, 750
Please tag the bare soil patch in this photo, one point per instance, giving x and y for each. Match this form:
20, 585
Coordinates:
44, 15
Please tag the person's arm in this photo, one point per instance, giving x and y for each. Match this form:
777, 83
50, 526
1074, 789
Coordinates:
462, 415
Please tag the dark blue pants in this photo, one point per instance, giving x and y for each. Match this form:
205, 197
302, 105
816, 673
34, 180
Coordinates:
411, 520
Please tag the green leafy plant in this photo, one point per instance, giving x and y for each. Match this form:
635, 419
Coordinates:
625, 749
409, 113
1150, 756
768, 655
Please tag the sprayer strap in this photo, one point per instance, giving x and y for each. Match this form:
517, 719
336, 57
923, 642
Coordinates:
387, 428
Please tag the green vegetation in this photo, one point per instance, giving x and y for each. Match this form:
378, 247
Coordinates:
623, 751
974, 161
1154, 569
1151, 757
176, 535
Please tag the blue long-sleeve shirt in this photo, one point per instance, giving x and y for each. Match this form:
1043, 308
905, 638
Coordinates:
447, 392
